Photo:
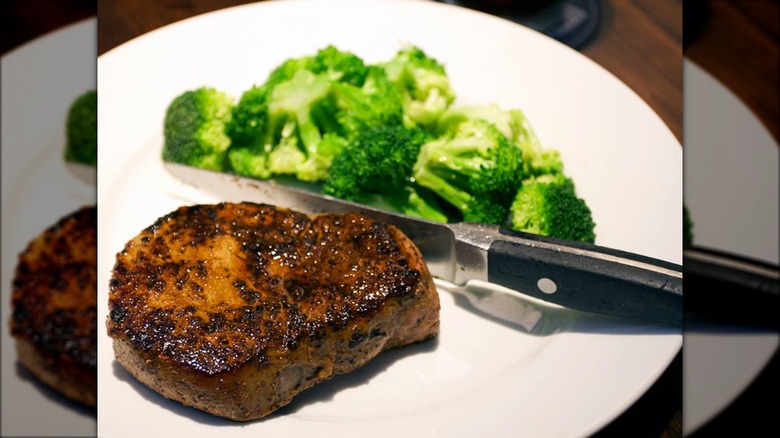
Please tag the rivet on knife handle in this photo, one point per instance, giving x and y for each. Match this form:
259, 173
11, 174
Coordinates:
589, 278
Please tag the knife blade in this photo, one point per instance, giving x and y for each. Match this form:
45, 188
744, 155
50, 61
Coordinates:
575, 275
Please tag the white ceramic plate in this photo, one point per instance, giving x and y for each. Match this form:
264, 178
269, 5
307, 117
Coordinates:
731, 190
40, 81
478, 377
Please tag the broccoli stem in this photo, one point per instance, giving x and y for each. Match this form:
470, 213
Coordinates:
420, 207
430, 179
308, 131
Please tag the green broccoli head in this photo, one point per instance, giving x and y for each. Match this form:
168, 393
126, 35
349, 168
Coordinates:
287, 69
248, 161
340, 65
337, 65
537, 160
350, 110
249, 116
317, 165
246, 128
548, 205
285, 129
476, 170
295, 118
81, 130
424, 84
194, 128
307, 111
375, 169
379, 160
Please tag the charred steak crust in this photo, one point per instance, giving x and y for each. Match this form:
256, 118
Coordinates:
54, 301
236, 308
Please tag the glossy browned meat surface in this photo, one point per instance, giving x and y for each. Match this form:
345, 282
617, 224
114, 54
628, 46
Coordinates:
249, 304
54, 302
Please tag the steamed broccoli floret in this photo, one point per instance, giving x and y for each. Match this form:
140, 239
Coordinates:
548, 205
194, 128
424, 84
375, 169
246, 129
320, 159
340, 65
477, 170
280, 129
290, 110
249, 162
379, 159
537, 160
355, 110
81, 130
287, 69
249, 116
303, 116
337, 65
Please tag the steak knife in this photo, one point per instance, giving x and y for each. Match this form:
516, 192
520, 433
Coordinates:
575, 275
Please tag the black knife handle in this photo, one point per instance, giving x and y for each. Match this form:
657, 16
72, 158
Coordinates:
589, 278
726, 288
732, 270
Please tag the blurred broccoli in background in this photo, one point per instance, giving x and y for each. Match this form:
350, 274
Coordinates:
387, 135
548, 205
81, 130
194, 128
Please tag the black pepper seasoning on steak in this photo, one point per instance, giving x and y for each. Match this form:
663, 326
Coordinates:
236, 308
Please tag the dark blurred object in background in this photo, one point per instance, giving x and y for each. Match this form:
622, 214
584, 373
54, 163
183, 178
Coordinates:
572, 22
25, 20
695, 15
508, 7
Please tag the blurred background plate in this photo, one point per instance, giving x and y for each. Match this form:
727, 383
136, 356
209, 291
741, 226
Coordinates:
40, 80
731, 190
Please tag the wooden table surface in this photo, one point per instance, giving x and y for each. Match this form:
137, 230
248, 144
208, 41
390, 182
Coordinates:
737, 43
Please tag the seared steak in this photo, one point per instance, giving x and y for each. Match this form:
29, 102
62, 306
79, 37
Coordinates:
54, 301
236, 308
